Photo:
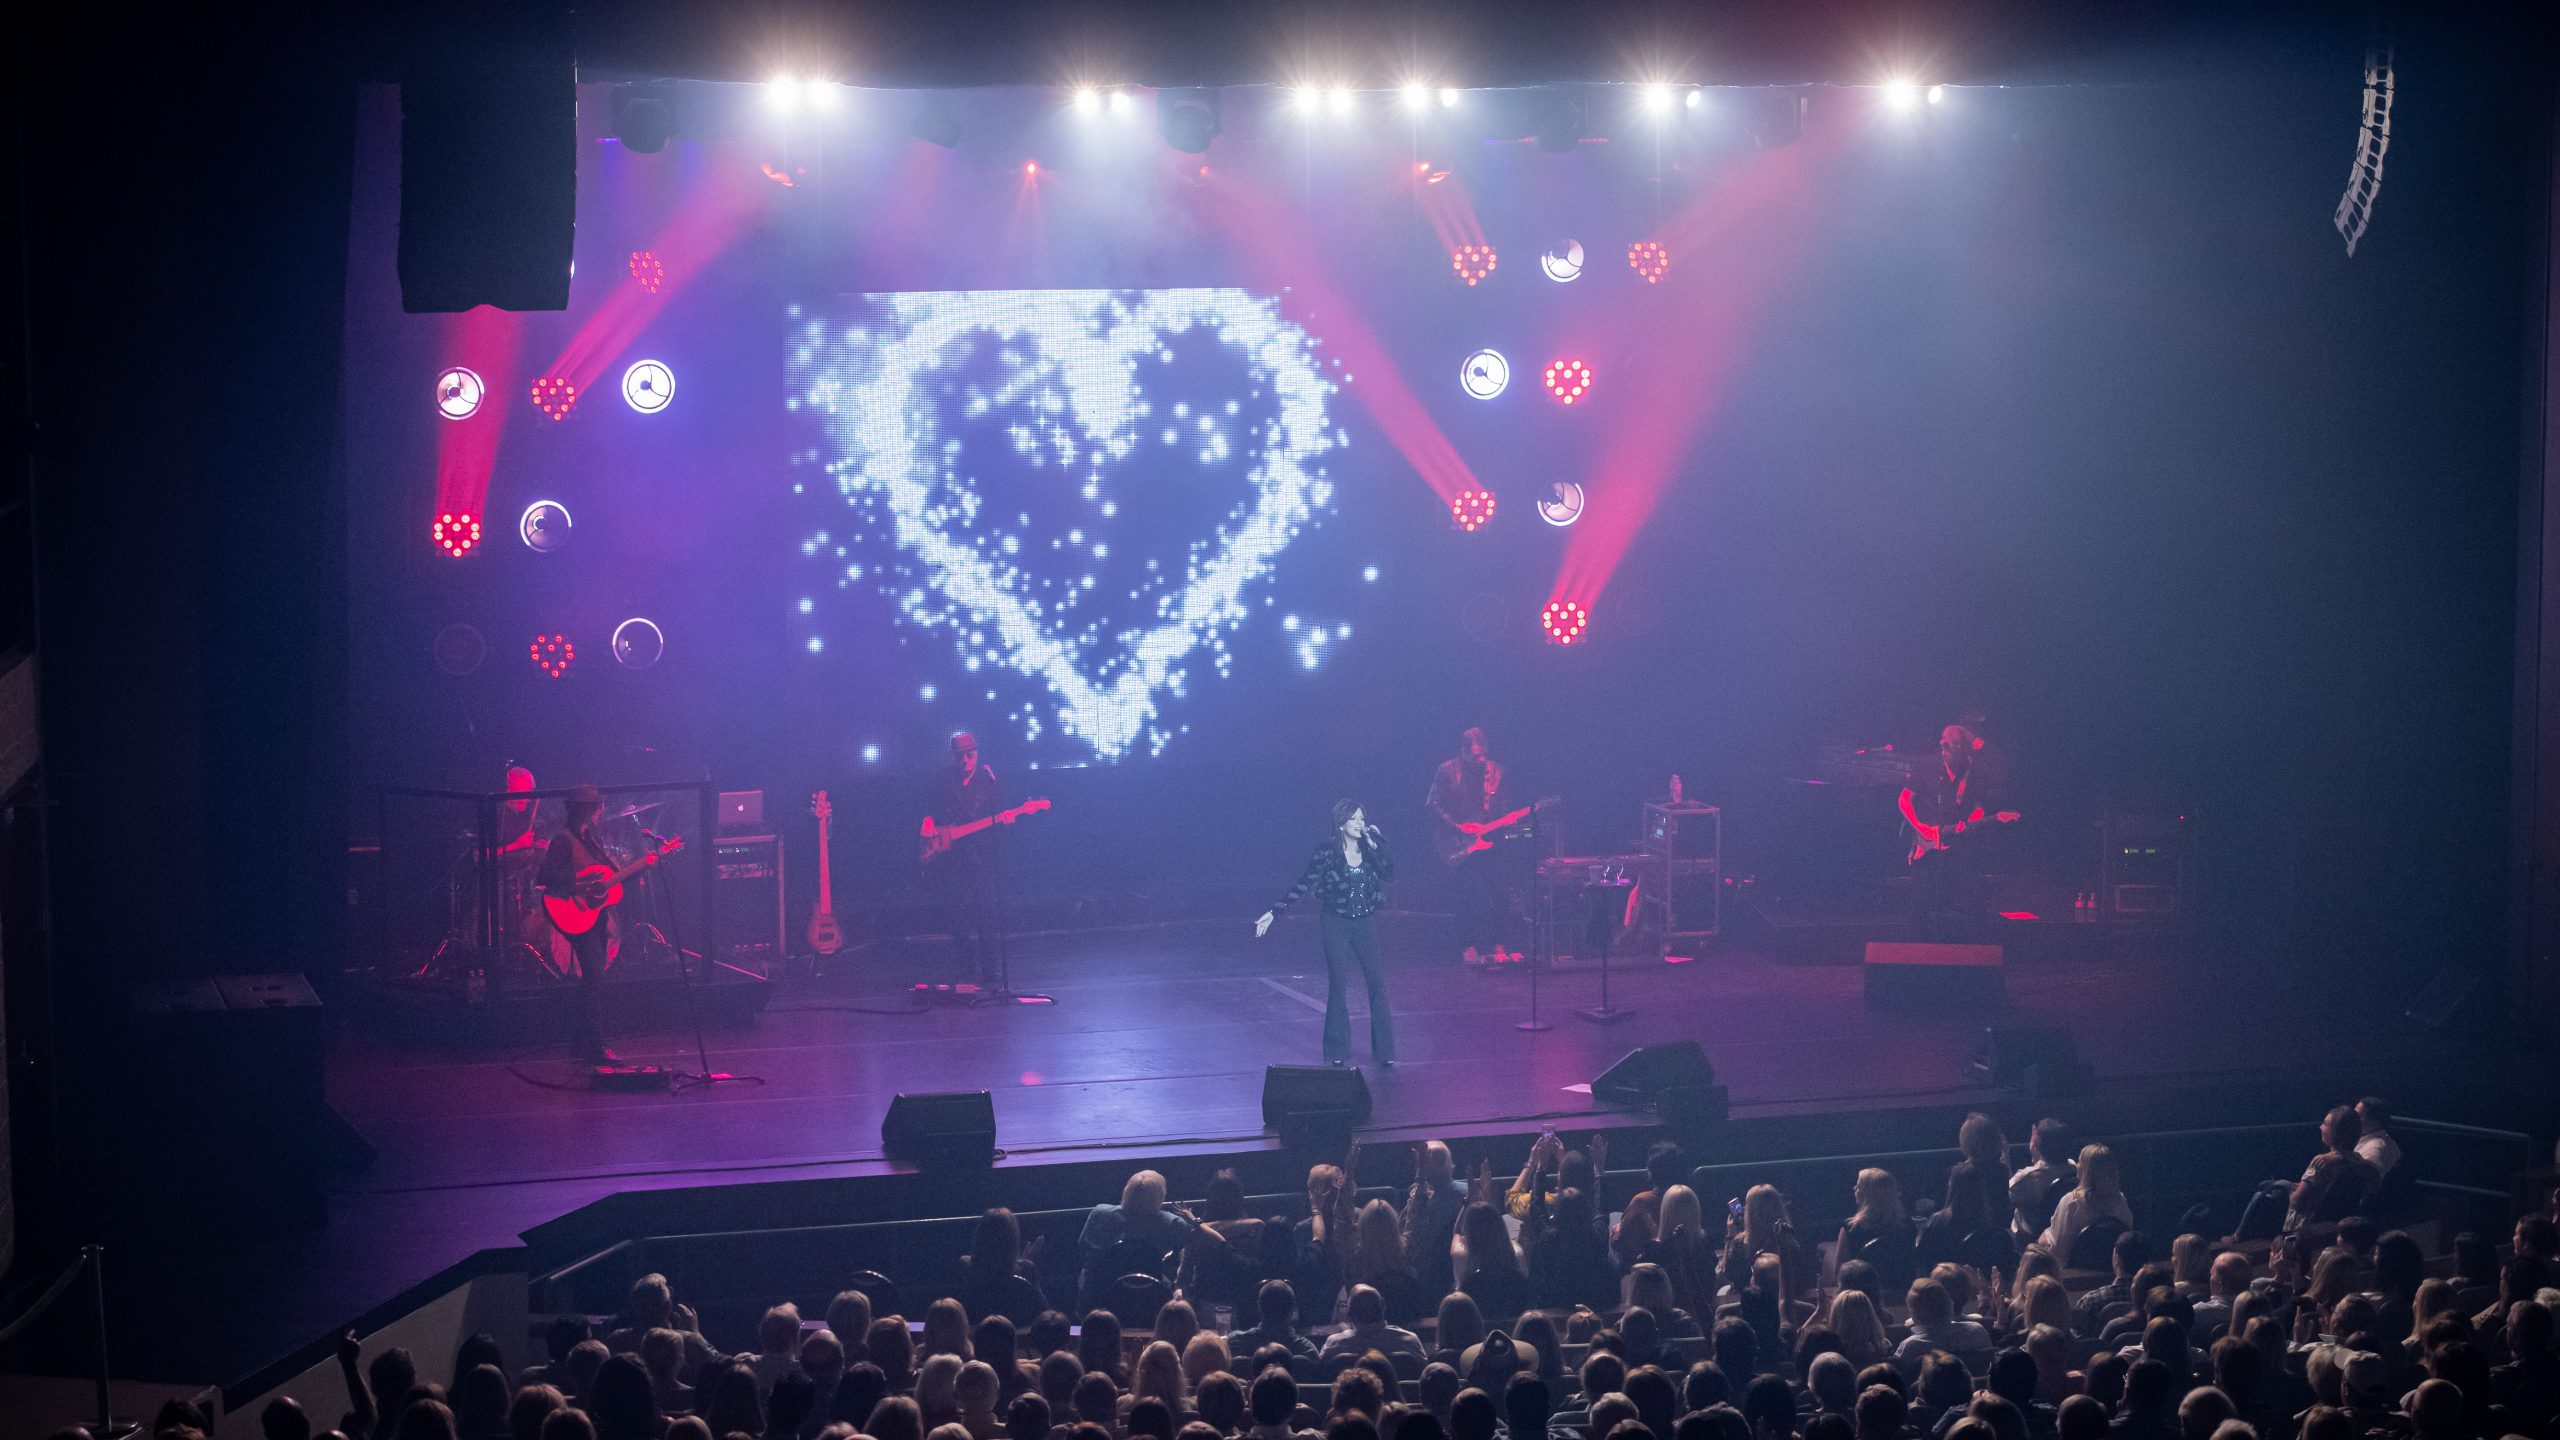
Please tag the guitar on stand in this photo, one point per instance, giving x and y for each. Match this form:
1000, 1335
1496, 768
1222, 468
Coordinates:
825, 936
939, 839
597, 889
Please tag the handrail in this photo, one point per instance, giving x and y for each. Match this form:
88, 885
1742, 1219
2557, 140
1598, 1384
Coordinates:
2146, 1143
91, 1262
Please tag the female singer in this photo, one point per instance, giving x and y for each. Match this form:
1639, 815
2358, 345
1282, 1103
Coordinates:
1349, 873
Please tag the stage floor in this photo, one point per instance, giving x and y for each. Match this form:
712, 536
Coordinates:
1157, 1041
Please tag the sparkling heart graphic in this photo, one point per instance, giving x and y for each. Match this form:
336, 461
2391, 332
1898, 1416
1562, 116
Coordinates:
646, 269
1068, 391
1649, 259
1472, 262
554, 396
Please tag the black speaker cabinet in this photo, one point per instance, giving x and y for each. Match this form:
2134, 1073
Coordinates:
950, 1129
1314, 1105
1644, 1074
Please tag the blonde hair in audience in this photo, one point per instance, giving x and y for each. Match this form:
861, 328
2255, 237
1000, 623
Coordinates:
1159, 1377
1853, 1315
1680, 1208
2043, 1301
2100, 1181
1764, 1214
1879, 1198
2190, 1259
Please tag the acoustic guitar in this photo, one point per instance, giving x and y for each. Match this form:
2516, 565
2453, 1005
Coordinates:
825, 936
598, 888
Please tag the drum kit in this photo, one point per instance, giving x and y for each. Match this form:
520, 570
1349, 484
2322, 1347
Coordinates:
529, 952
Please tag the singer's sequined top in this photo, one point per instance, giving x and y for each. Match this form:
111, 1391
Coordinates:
1350, 891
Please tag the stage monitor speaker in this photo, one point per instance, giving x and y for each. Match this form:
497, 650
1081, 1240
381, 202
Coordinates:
488, 180
954, 1129
2039, 1061
1644, 1074
1919, 973
1314, 1106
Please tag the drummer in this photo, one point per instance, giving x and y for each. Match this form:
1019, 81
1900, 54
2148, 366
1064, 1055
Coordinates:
516, 830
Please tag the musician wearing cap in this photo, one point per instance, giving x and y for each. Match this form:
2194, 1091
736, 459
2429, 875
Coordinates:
577, 851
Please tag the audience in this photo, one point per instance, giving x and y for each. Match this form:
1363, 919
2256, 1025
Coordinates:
1681, 1322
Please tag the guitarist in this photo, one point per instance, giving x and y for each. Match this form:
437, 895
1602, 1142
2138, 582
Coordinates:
968, 791
577, 848
1467, 789
1945, 804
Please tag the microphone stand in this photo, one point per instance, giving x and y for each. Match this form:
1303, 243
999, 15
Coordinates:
686, 1079
1004, 993
1541, 944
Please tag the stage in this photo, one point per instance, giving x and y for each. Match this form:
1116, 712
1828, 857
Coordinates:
1156, 1046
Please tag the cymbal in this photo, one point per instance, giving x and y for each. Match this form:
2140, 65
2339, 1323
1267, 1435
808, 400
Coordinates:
635, 810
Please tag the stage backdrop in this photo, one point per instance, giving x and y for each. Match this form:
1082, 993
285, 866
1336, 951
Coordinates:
1206, 487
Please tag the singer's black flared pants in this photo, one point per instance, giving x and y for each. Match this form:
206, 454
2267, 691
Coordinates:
1348, 943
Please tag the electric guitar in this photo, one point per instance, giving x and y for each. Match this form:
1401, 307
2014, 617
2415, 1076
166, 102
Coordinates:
1921, 844
825, 936
938, 840
598, 888
1466, 837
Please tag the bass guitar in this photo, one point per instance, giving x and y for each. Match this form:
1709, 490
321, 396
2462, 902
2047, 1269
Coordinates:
938, 840
1922, 844
598, 888
1466, 837
825, 936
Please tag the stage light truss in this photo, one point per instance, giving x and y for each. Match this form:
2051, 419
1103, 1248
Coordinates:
2373, 141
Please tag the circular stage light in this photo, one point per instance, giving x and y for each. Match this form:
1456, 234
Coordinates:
1568, 380
455, 532
459, 650
554, 396
1471, 510
458, 394
648, 385
544, 526
552, 654
1562, 505
1563, 263
1564, 621
638, 643
1485, 375
1472, 262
